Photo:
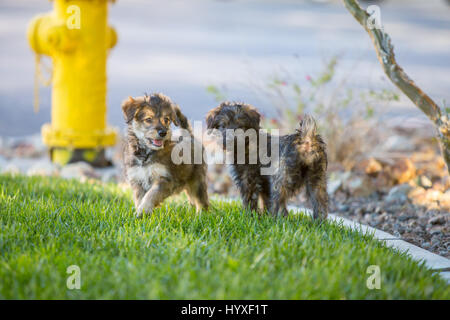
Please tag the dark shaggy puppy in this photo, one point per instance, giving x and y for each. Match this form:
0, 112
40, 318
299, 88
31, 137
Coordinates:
251, 184
302, 162
149, 168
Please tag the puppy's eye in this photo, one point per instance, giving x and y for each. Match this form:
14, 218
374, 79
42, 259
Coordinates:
148, 120
167, 120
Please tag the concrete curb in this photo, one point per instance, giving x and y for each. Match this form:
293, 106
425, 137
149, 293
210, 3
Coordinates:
432, 261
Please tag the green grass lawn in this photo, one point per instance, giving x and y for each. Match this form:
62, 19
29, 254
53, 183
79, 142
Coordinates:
48, 224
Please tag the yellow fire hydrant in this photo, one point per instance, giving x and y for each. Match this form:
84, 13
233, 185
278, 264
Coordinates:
77, 38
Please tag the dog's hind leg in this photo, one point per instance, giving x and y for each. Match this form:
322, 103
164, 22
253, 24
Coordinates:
198, 195
278, 207
202, 196
278, 199
249, 198
265, 197
316, 192
159, 191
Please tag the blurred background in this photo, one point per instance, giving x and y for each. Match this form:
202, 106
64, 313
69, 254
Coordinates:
181, 48
284, 57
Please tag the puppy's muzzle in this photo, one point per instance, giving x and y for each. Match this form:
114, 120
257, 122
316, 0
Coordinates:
160, 137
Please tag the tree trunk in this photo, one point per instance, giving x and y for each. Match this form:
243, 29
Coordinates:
386, 56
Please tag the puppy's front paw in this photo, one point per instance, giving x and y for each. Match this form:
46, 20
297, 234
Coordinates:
138, 214
141, 211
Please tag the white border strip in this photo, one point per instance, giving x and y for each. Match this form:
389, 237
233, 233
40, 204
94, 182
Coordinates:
432, 260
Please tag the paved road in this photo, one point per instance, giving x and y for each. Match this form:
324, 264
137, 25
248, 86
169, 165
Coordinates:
181, 47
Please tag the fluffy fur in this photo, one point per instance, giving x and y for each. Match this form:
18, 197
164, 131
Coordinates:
253, 187
302, 162
147, 160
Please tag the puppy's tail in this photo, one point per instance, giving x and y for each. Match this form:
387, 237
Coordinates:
308, 127
183, 122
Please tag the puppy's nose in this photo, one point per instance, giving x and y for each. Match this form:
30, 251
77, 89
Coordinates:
162, 133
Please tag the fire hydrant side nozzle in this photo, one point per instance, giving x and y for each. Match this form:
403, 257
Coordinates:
77, 38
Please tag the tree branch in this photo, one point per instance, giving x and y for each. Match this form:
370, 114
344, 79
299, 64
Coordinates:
386, 56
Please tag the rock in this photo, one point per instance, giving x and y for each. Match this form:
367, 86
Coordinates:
40, 148
425, 182
432, 170
418, 230
110, 174
11, 168
78, 170
426, 245
401, 229
222, 185
412, 224
384, 216
403, 170
333, 186
43, 168
436, 231
435, 239
437, 220
429, 198
24, 149
399, 144
359, 186
359, 211
339, 175
439, 186
416, 193
395, 207
342, 207
383, 182
446, 182
424, 156
335, 167
369, 166
375, 224
445, 200
398, 194
336, 181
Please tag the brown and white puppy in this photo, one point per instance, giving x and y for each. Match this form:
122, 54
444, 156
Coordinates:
302, 161
252, 186
148, 163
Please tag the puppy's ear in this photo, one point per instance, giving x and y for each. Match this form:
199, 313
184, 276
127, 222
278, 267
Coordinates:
211, 118
255, 116
129, 108
174, 116
178, 118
